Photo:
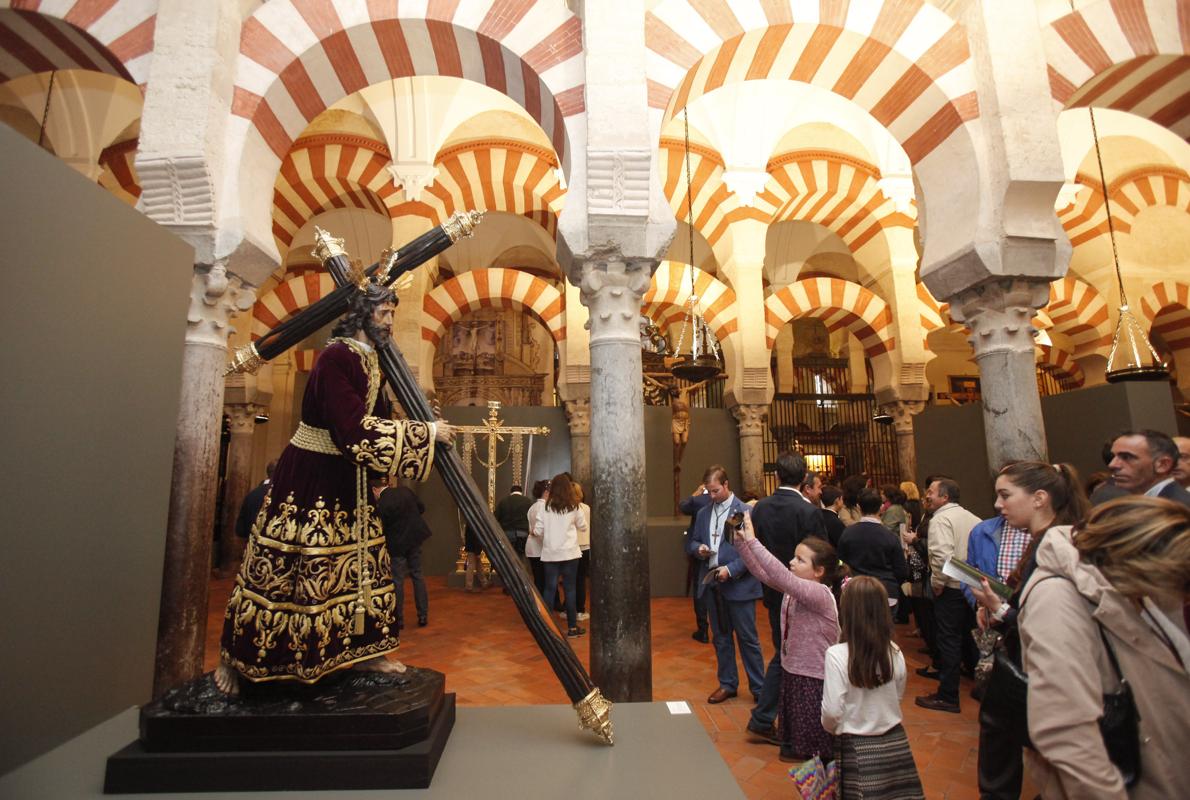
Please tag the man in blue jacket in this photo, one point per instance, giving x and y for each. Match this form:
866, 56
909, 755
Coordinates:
995, 547
733, 590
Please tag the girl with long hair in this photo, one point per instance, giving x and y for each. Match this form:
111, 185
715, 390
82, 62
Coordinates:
809, 625
1103, 616
558, 525
1038, 497
861, 699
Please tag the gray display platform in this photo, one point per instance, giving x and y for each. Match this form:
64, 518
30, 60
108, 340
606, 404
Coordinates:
518, 751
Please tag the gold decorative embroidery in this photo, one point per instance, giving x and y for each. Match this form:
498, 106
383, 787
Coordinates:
317, 440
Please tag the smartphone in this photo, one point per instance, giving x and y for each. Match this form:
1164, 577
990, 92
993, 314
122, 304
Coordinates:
733, 524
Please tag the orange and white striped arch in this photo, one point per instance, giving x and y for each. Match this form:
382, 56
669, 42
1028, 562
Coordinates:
1166, 306
113, 36
329, 171
491, 288
839, 304
493, 175
298, 57
906, 63
840, 193
1061, 364
1079, 311
1086, 218
934, 316
668, 299
1130, 55
713, 206
288, 298
119, 171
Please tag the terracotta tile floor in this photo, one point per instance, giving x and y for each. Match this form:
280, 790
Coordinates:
480, 643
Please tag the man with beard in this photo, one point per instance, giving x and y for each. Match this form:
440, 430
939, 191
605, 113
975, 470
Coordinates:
314, 593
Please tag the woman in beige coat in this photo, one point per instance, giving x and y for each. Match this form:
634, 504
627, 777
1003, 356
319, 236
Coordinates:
1127, 569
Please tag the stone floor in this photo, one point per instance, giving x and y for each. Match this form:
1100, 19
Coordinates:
489, 658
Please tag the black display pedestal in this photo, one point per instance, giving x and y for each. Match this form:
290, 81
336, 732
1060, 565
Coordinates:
354, 730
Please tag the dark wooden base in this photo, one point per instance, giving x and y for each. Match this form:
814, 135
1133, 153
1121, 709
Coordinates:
351, 730
136, 770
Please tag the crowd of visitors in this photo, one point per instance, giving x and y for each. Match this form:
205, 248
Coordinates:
1077, 603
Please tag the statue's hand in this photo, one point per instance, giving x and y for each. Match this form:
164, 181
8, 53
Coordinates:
445, 432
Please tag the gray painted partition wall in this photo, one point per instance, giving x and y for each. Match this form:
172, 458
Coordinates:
713, 438
93, 317
950, 439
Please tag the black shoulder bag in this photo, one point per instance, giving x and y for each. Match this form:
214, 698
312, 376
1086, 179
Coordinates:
1006, 700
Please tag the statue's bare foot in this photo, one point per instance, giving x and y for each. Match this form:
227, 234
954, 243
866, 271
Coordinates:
381, 664
227, 680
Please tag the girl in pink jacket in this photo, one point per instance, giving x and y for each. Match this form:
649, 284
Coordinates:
809, 625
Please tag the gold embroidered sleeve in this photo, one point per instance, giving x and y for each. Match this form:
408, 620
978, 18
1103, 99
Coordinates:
404, 448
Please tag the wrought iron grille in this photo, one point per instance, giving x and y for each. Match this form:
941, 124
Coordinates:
830, 425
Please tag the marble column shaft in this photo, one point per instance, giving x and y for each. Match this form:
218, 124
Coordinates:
242, 417
999, 313
621, 648
182, 623
578, 415
751, 418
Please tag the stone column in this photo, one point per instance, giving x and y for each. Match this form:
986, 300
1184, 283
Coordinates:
236, 482
621, 657
902, 413
751, 419
182, 623
578, 414
999, 312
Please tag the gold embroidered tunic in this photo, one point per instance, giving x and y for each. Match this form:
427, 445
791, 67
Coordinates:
315, 593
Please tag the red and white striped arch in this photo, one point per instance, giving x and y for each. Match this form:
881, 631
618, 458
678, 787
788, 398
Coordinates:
288, 298
493, 175
1130, 55
119, 171
492, 288
668, 299
839, 304
110, 36
325, 172
297, 57
1166, 306
1077, 310
834, 190
934, 316
1061, 364
1086, 218
714, 207
905, 61
840, 193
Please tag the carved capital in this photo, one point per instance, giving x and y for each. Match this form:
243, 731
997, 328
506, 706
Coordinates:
999, 313
242, 417
612, 289
578, 414
414, 177
215, 299
751, 418
903, 412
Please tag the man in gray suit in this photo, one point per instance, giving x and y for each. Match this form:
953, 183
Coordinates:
1143, 463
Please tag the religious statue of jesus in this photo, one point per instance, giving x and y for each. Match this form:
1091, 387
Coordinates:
314, 593
679, 404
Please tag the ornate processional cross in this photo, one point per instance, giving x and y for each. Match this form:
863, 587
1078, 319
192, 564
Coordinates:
494, 428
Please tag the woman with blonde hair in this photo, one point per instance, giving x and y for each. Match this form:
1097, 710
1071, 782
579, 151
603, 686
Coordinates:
1102, 623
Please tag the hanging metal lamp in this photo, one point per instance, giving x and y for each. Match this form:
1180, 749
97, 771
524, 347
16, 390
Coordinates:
1132, 356
704, 359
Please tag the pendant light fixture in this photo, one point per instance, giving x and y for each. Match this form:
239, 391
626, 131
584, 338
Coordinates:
1132, 356
704, 360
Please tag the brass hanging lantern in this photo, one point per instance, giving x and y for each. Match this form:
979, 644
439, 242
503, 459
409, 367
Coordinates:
704, 359
1132, 356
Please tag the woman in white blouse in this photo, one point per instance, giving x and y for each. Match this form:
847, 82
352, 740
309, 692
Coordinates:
861, 699
558, 525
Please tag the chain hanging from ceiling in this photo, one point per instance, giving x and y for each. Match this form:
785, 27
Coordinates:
704, 359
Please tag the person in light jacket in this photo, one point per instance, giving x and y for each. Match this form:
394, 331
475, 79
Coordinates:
1125, 572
